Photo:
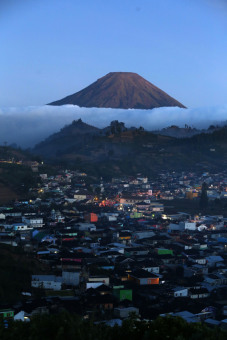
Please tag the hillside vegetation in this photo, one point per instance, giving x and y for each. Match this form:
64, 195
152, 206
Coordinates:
16, 175
67, 326
116, 150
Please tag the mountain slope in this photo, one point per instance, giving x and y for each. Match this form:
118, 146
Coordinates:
72, 137
118, 150
120, 90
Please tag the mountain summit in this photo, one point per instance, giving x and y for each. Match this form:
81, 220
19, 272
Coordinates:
124, 90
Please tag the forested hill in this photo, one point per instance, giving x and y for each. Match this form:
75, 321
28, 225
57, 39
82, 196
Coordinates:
219, 137
117, 150
16, 175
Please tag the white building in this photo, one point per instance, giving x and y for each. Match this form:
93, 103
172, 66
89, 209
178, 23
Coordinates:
46, 282
86, 227
189, 225
71, 278
21, 227
33, 221
180, 292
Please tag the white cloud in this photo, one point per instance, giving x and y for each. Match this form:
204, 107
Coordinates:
27, 126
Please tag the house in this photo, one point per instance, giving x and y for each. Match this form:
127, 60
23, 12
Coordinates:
224, 324
130, 200
21, 316
123, 294
124, 235
96, 301
156, 207
200, 269
8, 239
41, 236
91, 217
99, 279
141, 206
216, 279
198, 293
46, 282
113, 322
212, 323
187, 316
135, 251
139, 235
7, 313
36, 307
214, 260
142, 277
180, 292
33, 221
104, 289
71, 277
150, 266
21, 227
175, 227
86, 226
81, 195
104, 302
163, 251
125, 312
224, 310
198, 259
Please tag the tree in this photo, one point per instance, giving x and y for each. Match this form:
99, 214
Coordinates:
203, 203
117, 127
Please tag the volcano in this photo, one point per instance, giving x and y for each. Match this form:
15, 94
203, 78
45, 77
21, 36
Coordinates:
125, 90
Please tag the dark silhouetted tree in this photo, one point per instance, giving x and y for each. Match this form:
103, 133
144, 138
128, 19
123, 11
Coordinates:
203, 203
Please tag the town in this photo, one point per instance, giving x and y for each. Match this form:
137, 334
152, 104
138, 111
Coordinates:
106, 249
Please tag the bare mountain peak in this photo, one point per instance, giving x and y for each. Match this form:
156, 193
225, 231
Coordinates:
120, 90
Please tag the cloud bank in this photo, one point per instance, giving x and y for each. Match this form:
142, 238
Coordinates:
27, 126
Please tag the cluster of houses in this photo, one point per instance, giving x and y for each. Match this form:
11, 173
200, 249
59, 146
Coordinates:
111, 250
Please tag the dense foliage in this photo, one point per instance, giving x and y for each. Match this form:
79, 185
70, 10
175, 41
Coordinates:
18, 177
118, 151
16, 269
66, 326
14, 274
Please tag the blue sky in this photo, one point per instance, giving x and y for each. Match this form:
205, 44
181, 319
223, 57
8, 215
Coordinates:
53, 48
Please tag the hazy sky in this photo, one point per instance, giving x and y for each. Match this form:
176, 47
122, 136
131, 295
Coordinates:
53, 48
